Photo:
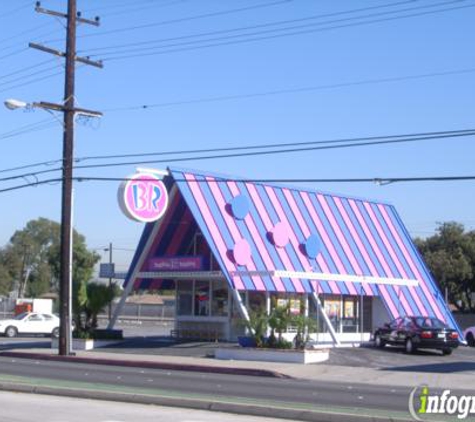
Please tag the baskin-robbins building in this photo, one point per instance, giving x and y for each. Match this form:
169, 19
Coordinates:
227, 245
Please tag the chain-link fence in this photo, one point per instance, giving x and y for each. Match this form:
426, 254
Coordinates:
145, 312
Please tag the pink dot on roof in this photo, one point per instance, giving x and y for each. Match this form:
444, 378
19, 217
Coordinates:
280, 235
242, 252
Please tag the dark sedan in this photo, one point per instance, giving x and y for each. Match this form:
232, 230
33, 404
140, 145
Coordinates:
415, 332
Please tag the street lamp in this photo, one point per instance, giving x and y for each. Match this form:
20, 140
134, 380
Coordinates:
13, 104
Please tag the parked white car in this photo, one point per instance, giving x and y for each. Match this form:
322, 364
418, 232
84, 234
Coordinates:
469, 335
30, 323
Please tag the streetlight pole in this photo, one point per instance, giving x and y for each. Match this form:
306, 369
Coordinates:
110, 281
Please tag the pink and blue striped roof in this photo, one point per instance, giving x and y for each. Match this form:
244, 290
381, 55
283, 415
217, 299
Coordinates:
353, 237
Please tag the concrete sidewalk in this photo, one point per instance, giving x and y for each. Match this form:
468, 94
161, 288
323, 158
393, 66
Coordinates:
332, 373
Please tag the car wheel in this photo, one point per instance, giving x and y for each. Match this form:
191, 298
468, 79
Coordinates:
446, 352
470, 340
410, 346
378, 341
55, 333
11, 332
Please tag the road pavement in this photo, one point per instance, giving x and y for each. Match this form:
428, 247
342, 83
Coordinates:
30, 408
356, 382
295, 399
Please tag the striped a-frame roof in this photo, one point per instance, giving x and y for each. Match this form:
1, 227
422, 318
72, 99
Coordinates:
267, 237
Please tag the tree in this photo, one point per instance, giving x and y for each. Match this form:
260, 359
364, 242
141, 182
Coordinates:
33, 253
450, 255
83, 268
25, 257
96, 298
6, 280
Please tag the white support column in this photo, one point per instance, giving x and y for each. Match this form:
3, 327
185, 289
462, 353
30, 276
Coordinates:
328, 323
305, 312
175, 308
268, 310
240, 305
360, 314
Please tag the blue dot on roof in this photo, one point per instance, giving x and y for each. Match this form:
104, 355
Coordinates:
240, 207
312, 246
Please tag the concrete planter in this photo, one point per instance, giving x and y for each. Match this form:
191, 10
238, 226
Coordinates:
84, 344
273, 355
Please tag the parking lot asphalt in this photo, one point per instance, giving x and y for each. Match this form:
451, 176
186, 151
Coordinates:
151, 341
395, 359
388, 358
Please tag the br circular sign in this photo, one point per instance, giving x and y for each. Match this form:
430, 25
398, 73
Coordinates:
143, 197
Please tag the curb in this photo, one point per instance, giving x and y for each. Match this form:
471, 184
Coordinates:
149, 365
235, 408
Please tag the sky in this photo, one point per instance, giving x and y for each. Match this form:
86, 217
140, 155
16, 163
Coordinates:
234, 73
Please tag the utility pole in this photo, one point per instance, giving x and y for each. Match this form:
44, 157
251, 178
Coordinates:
69, 111
110, 281
24, 271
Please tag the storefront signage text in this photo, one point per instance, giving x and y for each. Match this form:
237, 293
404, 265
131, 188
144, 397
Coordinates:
182, 263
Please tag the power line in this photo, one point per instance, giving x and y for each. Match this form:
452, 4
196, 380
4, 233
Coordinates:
30, 75
18, 9
32, 127
26, 31
195, 17
377, 180
25, 69
14, 53
121, 5
186, 19
31, 81
282, 145
247, 27
279, 23
153, 50
281, 151
335, 144
139, 9
44, 163
381, 181
293, 90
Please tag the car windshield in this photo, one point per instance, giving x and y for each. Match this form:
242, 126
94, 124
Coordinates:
426, 322
20, 316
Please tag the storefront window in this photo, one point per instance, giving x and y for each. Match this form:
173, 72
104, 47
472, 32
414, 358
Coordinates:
350, 315
284, 300
202, 298
219, 304
332, 307
185, 297
295, 305
257, 301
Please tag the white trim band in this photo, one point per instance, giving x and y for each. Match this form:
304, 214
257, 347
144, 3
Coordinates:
183, 275
219, 275
330, 277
